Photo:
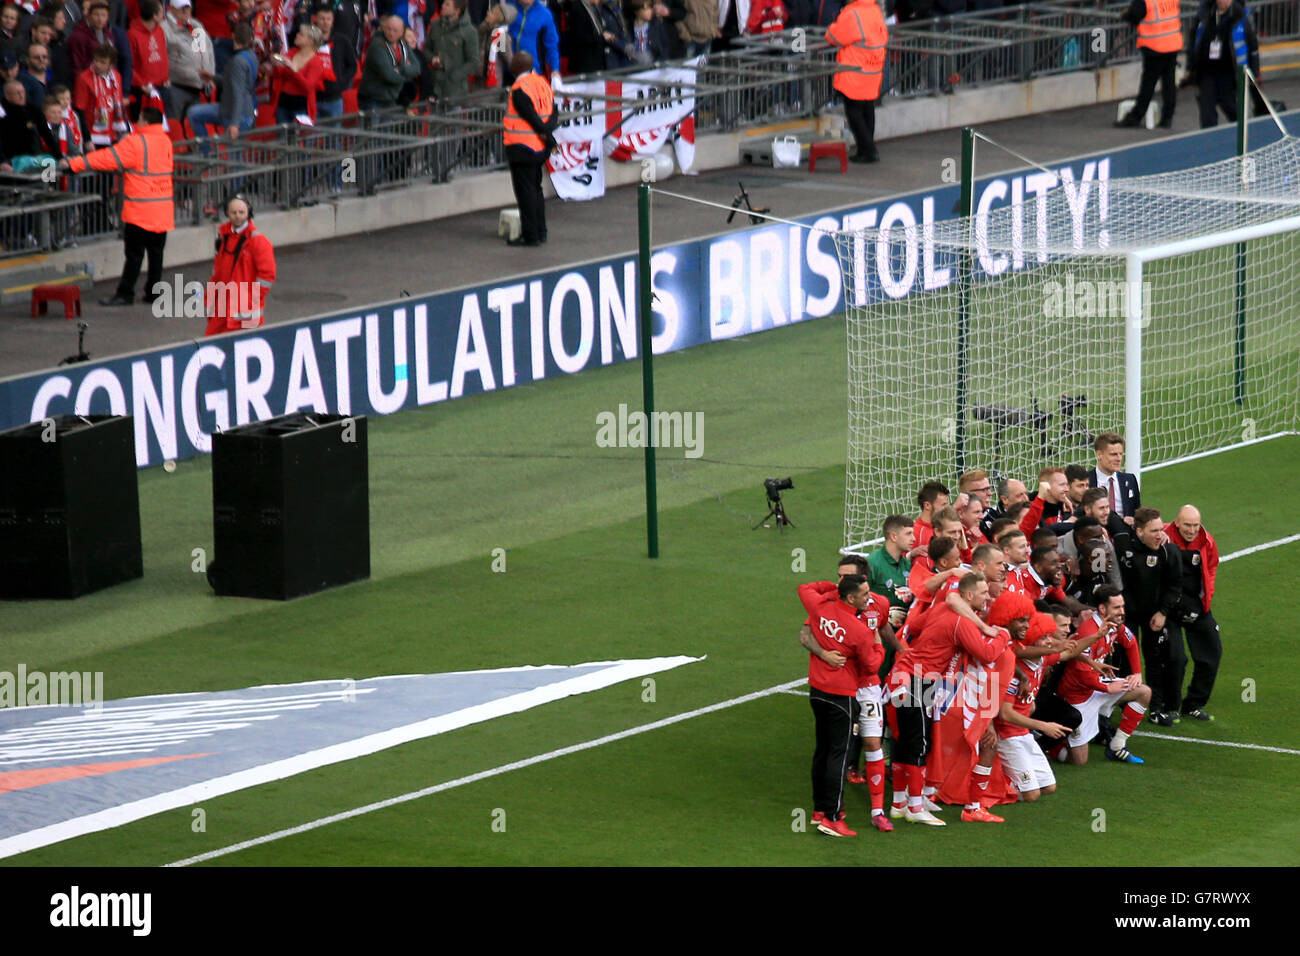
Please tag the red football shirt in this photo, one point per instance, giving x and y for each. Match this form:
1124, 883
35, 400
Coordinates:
148, 55
945, 635
1034, 669
1030, 584
923, 531
873, 616
836, 627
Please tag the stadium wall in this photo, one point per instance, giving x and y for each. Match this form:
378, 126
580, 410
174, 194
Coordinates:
419, 351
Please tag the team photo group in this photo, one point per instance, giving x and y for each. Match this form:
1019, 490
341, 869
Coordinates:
1003, 630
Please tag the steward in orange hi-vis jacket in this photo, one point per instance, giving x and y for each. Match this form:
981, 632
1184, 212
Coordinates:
861, 36
144, 158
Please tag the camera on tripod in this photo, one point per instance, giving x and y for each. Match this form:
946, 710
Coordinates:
775, 486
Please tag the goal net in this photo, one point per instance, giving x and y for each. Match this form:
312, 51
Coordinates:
1164, 307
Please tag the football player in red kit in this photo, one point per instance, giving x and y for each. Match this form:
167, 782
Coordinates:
1023, 761
912, 682
1091, 694
833, 617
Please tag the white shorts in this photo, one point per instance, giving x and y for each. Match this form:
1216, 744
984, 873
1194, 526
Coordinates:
871, 721
1024, 763
1089, 710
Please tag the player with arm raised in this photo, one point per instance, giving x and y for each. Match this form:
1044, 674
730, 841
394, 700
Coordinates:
911, 686
833, 612
941, 563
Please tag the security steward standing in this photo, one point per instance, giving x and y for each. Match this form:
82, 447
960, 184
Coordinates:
530, 120
1160, 38
1200, 557
1152, 570
861, 36
1225, 39
144, 158
242, 273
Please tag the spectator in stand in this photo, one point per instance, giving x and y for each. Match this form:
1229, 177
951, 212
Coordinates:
350, 18
190, 58
860, 35
338, 59
494, 42
236, 111
698, 27
51, 132
650, 42
617, 40
71, 125
297, 78
826, 12
584, 36
18, 124
93, 31
451, 50
215, 17
534, 33
390, 65
46, 29
35, 75
150, 70
766, 16
8, 27
100, 99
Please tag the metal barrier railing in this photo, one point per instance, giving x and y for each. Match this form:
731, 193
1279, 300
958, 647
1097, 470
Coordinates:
760, 80
37, 216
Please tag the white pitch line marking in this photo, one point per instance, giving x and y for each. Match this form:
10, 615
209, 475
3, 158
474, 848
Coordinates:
786, 688
1217, 743
485, 774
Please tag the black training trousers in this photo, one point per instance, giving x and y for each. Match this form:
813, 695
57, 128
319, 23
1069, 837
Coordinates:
836, 720
1205, 649
861, 117
526, 178
1157, 66
913, 741
139, 242
1164, 662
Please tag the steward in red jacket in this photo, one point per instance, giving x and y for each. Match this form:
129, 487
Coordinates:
1192, 615
242, 274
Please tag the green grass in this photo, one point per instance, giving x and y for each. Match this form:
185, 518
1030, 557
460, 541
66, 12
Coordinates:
519, 470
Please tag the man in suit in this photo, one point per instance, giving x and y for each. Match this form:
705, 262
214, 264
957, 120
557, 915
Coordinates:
1121, 486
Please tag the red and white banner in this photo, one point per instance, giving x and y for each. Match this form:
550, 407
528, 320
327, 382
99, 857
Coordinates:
629, 132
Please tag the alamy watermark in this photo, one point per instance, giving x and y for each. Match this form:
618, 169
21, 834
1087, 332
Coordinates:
179, 299
52, 689
1088, 299
636, 429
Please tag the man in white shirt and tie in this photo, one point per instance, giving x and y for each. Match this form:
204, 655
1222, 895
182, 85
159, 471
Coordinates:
1121, 487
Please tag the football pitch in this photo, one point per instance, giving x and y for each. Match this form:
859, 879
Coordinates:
502, 534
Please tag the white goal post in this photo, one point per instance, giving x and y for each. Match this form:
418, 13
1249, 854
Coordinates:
1164, 307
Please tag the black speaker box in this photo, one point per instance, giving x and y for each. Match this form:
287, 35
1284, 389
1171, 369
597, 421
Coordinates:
69, 507
290, 506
